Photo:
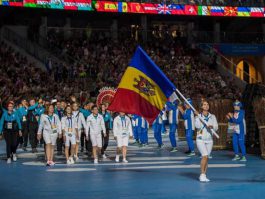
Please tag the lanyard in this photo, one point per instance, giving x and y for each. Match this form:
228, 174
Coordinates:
123, 122
50, 120
69, 122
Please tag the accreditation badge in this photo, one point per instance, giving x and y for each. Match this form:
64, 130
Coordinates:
9, 125
24, 119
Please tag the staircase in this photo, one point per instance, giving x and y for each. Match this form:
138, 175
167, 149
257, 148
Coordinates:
252, 138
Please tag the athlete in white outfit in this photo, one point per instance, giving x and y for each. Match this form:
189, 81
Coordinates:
70, 133
204, 139
50, 127
95, 125
122, 130
81, 124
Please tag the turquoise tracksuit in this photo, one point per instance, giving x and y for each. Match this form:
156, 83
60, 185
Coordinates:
23, 111
6, 117
85, 112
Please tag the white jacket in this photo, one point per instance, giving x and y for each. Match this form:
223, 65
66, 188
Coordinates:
122, 128
66, 123
46, 124
81, 122
202, 132
95, 125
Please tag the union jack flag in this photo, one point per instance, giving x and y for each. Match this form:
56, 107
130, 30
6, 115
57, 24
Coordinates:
164, 9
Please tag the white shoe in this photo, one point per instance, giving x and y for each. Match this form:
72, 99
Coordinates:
124, 161
76, 158
117, 159
68, 161
8, 161
203, 178
14, 157
71, 160
95, 161
104, 156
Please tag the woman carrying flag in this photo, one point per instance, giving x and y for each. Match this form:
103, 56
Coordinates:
205, 123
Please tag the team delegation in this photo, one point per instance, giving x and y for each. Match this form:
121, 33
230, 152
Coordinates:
68, 126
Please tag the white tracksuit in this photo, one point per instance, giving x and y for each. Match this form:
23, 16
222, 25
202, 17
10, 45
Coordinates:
69, 127
204, 139
81, 123
95, 126
122, 129
50, 127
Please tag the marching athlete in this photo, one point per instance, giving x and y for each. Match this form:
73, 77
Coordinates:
204, 138
50, 128
122, 130
10, 126
95, 127
173, 113
81, 126
188, 117
70, 134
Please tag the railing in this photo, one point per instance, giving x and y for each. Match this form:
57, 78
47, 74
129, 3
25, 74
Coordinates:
230, 66
30, 47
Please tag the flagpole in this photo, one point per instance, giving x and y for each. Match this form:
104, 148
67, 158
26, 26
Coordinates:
187, 102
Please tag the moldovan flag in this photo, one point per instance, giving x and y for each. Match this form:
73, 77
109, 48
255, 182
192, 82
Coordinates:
144, 89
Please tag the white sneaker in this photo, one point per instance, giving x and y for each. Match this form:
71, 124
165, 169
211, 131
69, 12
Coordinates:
71, 160
95, 161
68, 161
104, 156
8, 161
14, 157
203, 178
117, 159
124, 161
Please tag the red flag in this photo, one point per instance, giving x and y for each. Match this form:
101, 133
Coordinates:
230, 11
191, 10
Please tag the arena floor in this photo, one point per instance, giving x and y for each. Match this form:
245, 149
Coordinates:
150, 173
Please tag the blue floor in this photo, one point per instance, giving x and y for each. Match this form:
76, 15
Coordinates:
150, 173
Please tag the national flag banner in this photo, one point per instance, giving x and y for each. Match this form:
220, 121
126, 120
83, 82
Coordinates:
106, 6
204, 10
5, 2
230, 11
30, 3
70, 5
135, 7
84, 5
143, 89
217, 11
243, 11
18, 3
122, 7
257, 12
191, 10
57, 4
163, 9
43, 3
150, 8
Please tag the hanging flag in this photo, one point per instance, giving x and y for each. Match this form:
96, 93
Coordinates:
243, 11
204, 10
191, 10
144, 88
257, 12
230, 11
217, 11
